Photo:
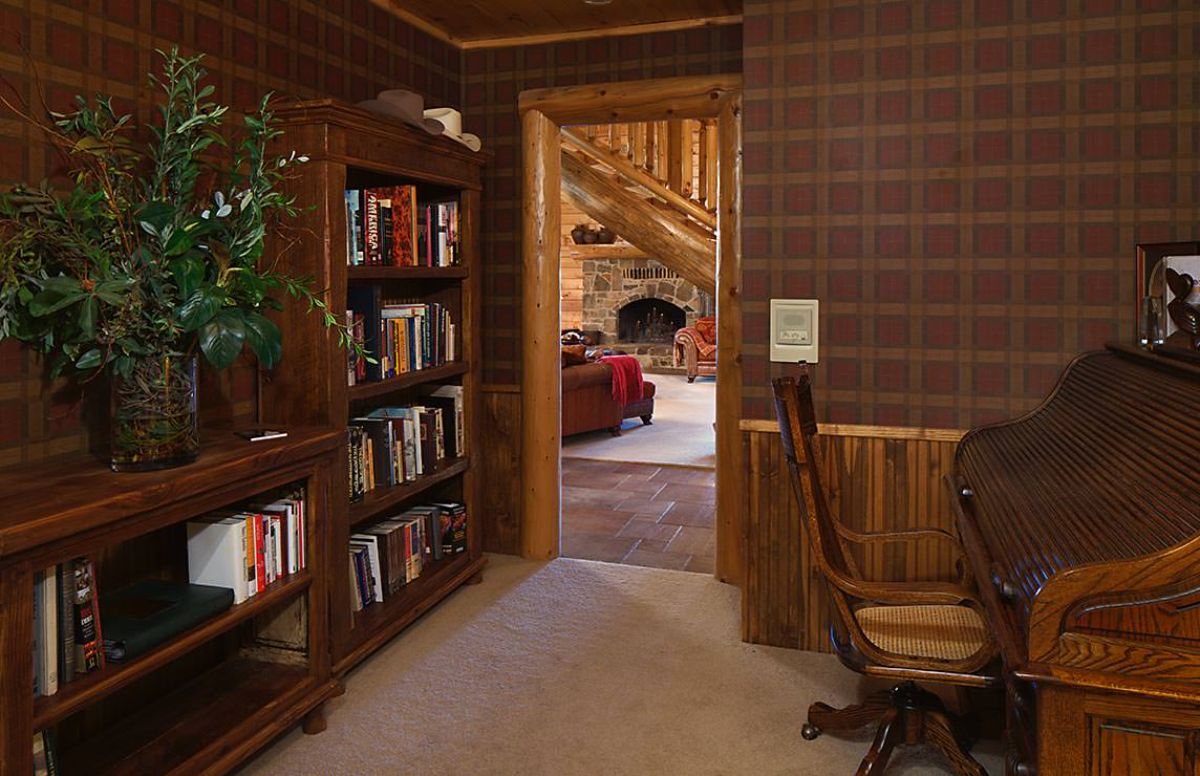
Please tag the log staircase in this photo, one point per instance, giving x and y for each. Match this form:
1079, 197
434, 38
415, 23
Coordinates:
655, 184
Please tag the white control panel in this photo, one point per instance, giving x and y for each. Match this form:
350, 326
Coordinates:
794, 330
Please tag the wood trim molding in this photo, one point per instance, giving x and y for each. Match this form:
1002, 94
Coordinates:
603, 32
420, 22
687, 97
873, 432
543, 112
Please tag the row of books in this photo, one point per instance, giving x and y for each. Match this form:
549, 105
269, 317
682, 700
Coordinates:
392, 553
248, 549
394, 445
67, 640
401, 338
388, 226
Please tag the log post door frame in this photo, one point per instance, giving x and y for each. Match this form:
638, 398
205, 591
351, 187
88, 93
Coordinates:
544, 112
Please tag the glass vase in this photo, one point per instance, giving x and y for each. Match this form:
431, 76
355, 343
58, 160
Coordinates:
154, 415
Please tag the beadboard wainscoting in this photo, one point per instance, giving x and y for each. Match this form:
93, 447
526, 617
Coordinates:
878, 479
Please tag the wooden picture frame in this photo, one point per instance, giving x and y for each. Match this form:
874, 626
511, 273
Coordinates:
1147, 256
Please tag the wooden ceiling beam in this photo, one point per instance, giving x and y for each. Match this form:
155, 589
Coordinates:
685, 97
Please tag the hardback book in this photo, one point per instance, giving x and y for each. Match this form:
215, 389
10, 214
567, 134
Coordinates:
217, 554
391, 554
45, 755
371, 248
65, 582
147, 613
427, 420
454, 527
431, 515
386, 237
362, 574
404, 226
49, 626
89, 647
377, 559
450, 398
354, 254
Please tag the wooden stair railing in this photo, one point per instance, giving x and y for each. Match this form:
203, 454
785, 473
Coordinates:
624, 167
678, 243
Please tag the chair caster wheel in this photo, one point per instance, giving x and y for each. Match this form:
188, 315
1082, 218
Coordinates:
810, 731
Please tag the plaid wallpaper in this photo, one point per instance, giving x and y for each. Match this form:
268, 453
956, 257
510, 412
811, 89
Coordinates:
299, 48
961, 185
492, 80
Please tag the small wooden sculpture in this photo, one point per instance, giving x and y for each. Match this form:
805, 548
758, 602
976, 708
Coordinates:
1184, 314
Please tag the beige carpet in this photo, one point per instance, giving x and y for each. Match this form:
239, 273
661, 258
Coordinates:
681, 434
576, 668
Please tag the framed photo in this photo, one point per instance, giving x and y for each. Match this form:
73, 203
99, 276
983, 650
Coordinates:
1148, 256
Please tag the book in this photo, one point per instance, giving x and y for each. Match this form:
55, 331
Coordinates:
65, 573
354, 242
217, 554
404, 226
147, 613
454, 527
450, 398
377, 560
372, 246
89, 652
49, 627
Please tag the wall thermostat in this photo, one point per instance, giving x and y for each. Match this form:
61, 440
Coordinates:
794, 330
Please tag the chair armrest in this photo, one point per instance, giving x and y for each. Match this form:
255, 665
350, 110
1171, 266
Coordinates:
914, 535
907, 593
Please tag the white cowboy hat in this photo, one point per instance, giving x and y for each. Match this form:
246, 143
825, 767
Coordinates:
407, 106
451, 121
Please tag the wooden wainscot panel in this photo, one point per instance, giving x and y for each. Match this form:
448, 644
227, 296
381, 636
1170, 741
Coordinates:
499, 469
878, 479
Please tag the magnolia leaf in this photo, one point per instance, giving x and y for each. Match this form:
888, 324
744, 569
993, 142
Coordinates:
222, 338
200, 307
188, 274
264, 338
112, 291
90, 359
50, 301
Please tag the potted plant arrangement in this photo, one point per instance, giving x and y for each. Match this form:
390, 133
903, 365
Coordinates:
154, 258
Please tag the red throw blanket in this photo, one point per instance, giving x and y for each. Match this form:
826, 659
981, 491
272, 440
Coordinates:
626, 378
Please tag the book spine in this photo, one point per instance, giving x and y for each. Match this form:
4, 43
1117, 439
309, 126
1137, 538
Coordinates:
50, 631
371, 227
66, 622
260, 557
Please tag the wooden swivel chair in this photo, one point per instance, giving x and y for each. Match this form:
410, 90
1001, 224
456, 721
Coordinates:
909, 631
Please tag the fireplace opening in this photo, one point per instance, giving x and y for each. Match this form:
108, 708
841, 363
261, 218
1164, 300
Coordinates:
649, 320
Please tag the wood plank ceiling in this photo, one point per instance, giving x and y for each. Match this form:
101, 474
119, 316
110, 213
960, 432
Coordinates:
476, 23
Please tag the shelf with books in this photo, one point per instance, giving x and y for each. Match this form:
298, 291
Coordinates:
124, 609
205, 725
379, 500
377, 624
92, 687
394, 232
377, 388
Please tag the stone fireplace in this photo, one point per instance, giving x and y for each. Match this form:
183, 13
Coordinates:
638, 304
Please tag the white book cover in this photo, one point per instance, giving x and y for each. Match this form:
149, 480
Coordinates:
217, 555
49, 631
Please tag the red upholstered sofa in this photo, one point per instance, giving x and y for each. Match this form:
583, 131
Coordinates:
588, 404
696, 348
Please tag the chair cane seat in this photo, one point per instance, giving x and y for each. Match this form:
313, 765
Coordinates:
939, 632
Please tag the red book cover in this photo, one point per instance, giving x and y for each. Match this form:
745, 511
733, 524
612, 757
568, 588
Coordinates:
260, 561
404, 226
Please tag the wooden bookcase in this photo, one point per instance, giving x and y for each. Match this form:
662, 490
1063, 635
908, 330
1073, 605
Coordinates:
206, 700
350, 148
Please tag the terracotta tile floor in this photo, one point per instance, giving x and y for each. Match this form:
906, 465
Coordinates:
638, 514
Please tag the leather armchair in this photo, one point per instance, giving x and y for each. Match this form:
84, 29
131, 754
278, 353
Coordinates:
695, 348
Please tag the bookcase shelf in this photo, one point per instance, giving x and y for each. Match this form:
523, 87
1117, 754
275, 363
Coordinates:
377, 388
147, 715
191, 727
374, 274
350, 148
94, 686
380, 500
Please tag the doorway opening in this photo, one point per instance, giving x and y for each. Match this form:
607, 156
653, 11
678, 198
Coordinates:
555, 131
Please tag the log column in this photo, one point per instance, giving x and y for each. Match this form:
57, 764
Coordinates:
540, 370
